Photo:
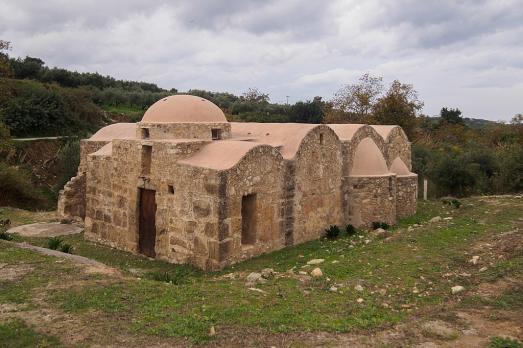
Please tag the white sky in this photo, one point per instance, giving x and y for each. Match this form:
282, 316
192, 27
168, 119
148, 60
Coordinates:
464, 53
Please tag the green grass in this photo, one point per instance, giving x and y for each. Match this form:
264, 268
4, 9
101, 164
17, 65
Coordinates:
181, 301
16, 334
502, 342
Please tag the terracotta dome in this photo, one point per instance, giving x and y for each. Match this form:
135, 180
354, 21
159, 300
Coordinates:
183, 108
368, 160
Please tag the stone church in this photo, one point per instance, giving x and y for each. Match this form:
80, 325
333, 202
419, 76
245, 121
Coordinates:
186, 186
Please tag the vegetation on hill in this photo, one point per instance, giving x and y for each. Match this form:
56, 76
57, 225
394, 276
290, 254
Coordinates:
459, 156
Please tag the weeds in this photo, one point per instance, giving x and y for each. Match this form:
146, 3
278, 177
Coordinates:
502, 342
56, 243
351, 230
332, 232
5, 236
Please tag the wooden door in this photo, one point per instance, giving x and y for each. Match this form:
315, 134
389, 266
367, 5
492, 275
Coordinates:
147, 228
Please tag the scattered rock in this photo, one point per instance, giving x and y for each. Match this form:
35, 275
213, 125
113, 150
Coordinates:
267, 273
382, 292
315, 261
302, 272
410, 228
474, 260
258, 290
360, 300
253, 279
317, 273
483, 269
212, 331
358, 288
367, 241
333, 289
380, 233
435, 219
335, 261
457, 289
439, 329
448, 218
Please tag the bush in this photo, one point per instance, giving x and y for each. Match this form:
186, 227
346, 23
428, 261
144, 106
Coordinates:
54, 243
332, 232
5, 236
350, 230
68, 160
66, 248
17, 189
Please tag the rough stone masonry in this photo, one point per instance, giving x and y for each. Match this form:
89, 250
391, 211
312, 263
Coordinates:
186, 186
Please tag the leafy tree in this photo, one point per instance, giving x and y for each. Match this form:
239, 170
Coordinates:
307, 112
451, 116
254, 95
399, 106
27, 68
357, 100
5, 68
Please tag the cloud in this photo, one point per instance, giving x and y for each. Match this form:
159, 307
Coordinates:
455, 53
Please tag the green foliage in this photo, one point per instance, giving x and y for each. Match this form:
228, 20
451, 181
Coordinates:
17, 189
350, 230
66, 248
307, 112
54, 243
5, 236
68, 160
34, 109
503, 342
451, 116
174, 277
332, 232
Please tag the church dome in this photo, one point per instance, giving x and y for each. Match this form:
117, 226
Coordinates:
183, 108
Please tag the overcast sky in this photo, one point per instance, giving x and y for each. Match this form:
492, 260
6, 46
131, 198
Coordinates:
466, 54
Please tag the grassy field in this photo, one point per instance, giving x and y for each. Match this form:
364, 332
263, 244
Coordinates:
371, 288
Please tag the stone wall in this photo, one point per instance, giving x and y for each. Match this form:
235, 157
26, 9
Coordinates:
71, 199
406, 195
372, 198
189, 130
317, 197
259, 172
397, 145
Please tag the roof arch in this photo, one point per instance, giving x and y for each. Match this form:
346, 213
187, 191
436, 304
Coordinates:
115, 131
224, 155
368, 160
388, 131
183, 108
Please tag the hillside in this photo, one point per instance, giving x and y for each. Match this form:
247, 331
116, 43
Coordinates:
443, 277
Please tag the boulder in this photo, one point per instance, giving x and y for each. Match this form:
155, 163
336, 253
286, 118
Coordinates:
435, 219
315, 261
457, 289
317, 273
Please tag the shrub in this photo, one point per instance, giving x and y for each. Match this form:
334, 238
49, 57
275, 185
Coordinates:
17, 189
174, 278
5, 236
66, 248
378, 224
350, 230
332, 232
68, 161
54, 243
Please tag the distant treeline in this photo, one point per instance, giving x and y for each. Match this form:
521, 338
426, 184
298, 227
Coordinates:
459, 156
